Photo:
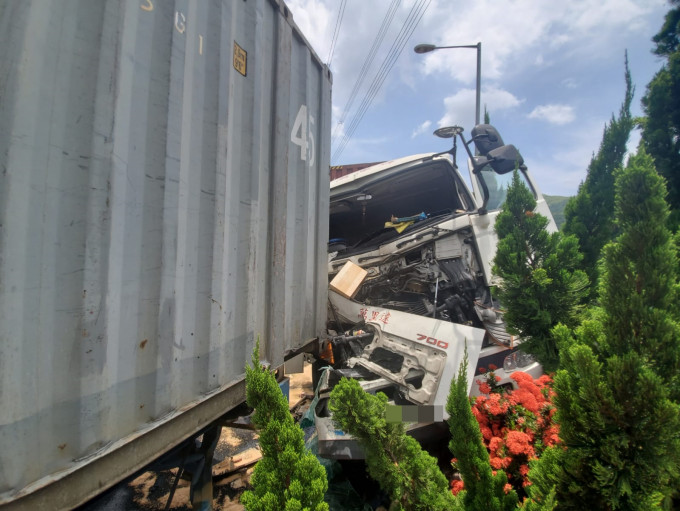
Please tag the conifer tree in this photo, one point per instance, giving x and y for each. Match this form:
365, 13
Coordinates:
668, 39
288, 477
589, 215
483, 491
540, 283
661, 103
619, 429
617, 422
640, 283
395, 460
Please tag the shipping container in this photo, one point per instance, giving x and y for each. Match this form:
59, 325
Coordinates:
164, 182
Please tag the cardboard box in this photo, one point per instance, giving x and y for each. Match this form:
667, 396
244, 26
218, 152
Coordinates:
348, 280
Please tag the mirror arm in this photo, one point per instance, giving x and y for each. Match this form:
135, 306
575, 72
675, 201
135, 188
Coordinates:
485, 190
476, 168
467, 147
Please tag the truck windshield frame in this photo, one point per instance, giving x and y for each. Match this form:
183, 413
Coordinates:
369, 211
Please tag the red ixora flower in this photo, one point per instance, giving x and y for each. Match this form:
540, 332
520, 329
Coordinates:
456, 486
526, 399
496, 463
519, 443
551, 435
522, 377
493, 367
544, 380
495, 444
487, 434
481, 417
512, 422
495, 405
481, 370
484, 387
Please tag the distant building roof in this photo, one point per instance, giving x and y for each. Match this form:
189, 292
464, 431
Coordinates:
342, 170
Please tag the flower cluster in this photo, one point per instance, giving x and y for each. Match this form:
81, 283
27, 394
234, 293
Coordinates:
516, 425
490, 382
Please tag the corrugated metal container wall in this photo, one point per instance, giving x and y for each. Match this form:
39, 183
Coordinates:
163, 202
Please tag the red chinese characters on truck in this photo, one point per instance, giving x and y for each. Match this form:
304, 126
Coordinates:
383, 316
374, 315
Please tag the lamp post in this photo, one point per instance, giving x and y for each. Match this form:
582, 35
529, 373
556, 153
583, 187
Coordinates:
426, 48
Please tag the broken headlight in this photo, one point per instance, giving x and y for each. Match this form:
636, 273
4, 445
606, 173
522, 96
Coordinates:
517, 360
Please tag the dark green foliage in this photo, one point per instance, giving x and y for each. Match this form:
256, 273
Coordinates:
619, 428
668, 39
395, 460
661, 103
619, 371
639, 284
483, 490
541, 285
288, 477
589, 216
544, 475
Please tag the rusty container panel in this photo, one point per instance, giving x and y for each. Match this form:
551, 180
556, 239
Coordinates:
163, 203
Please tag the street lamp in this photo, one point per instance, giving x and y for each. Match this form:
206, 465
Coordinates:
426, 48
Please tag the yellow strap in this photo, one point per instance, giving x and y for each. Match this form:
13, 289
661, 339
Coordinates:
400, 226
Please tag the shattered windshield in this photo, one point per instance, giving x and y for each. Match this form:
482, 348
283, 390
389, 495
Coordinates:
382, 206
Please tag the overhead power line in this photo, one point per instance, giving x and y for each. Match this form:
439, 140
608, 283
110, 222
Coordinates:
387, 21
336, 32
409, 25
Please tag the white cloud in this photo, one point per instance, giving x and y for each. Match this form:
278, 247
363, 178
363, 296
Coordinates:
422, 128
314, 19
459, 109
514, 36
499, 99
554, 114
559, 40
570, 83
561, 168
606, 13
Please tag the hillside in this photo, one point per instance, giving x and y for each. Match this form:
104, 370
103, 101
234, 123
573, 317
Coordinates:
557, 204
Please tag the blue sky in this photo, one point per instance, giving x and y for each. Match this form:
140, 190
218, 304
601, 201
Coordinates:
552, 75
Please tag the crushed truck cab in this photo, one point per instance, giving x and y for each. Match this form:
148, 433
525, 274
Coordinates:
410, 255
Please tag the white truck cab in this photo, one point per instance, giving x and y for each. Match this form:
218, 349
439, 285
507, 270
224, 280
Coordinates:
427, 244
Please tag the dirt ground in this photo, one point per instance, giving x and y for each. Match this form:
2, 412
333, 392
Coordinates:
235, 455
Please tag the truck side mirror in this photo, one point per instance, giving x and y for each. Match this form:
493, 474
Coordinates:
505, 159
486, 138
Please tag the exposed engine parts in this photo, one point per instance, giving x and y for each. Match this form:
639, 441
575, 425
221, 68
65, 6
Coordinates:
422, 282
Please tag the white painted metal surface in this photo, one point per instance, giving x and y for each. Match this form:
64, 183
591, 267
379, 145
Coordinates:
434, 346
163, 202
